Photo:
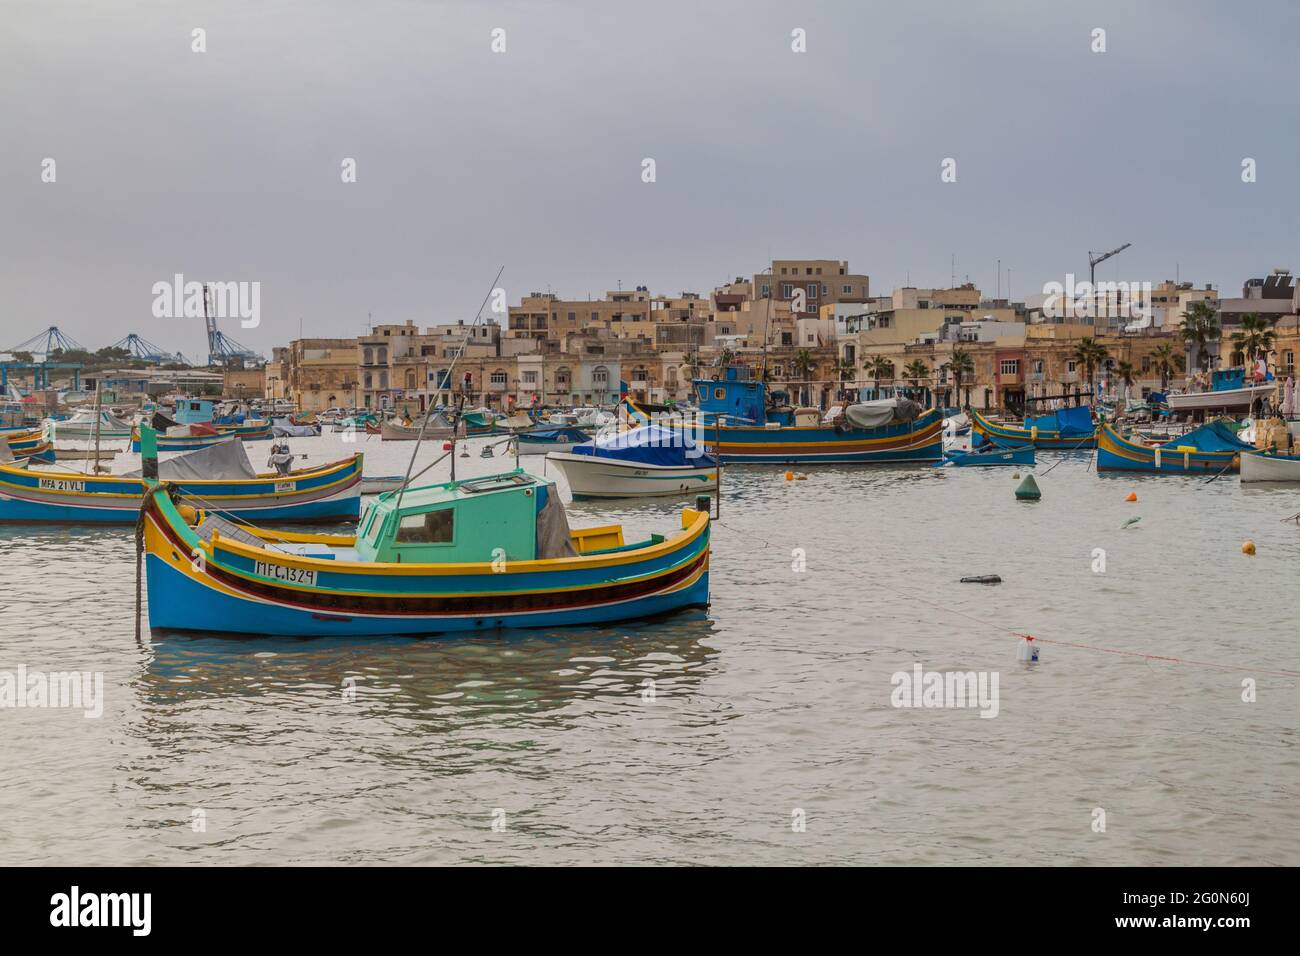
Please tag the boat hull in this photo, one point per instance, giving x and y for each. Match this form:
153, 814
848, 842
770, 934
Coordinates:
1117, 453
1224, 399
330, 493
240, 588
1006, 456
192, 443
1261, 467
593, 477
916, 441
1008, 436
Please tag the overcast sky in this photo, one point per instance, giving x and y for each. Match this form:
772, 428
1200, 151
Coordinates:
226, 165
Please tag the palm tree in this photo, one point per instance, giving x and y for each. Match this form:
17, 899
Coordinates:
1200, 327
804, 363
879, 367
916, 371
1091, 353
1125, 373
1166, 362
961, 364
845, 369
1255, 338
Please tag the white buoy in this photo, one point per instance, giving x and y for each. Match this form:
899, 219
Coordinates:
1027, 651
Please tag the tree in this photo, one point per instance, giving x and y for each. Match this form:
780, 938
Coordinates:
1200, 327
1166, 362
1091, 354
915, 371
878, 367
1255, 338
1125, 373
804, 363
961, 365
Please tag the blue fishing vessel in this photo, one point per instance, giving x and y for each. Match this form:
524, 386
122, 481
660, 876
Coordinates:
1212, 448
994, 456
474, 555
737, 422
1065, 429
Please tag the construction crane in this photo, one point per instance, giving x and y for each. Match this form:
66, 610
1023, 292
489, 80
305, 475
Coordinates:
223, 350
1095, 260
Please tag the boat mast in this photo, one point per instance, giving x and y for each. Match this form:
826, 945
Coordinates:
455, 423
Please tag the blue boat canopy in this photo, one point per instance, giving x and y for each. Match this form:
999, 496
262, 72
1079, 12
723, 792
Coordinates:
1212, 436
647, 445
1064, 421
564, 433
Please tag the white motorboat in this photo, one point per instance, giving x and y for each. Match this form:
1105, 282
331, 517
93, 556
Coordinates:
1258, 466
650, 461
81, 426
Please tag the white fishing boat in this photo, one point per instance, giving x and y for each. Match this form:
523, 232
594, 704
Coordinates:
1228, 391
1259, 466
81, 425
650, 461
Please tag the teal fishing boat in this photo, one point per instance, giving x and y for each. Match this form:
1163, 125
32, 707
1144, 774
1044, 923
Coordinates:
990, 457
472, 555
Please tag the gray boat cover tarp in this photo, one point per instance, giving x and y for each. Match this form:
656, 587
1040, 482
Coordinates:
6, 453
885, 411
226, 461
553, 540
283, 428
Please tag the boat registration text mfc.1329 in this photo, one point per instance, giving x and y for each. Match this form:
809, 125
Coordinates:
281, 573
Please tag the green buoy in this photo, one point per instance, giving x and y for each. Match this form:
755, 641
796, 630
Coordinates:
1028, 490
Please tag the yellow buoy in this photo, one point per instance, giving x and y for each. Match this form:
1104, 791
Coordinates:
187, 513
789, 476
1132, 496
1248, 547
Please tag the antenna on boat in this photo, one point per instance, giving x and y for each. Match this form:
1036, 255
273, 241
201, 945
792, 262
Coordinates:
424, 421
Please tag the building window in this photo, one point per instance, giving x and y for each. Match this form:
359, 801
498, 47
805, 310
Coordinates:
846, 290
369, 381
1010, 366
639, 374
530, 377
787, 290
562, 379
367, 357
498, 377
1038, 366
1071, 366
1288, 359
812, 290
767, 290
600, 375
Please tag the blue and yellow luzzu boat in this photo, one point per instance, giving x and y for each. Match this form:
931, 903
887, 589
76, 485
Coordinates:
736, 423
247, 431
473, 555
181, 442
1066, 429
31, 445
329, 492
1212, 448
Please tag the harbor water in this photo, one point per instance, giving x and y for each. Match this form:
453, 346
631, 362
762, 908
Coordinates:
1159, 726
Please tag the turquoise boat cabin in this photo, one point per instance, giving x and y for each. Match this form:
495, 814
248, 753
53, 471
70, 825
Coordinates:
513, 516
192, 411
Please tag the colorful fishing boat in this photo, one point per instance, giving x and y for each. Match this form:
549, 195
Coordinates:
650, 461
32, 445
173, 440
736, 422
1212, 448
249, 431
1066, 429
209, 478
474, 555
994, 456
